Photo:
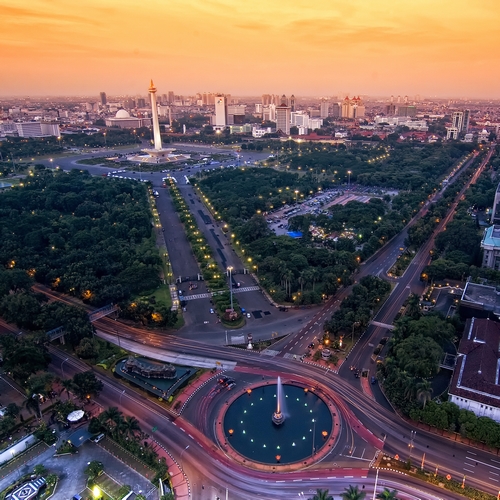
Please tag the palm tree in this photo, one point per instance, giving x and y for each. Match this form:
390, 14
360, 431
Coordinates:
424, 392
353, 493
410, 387
32, 404
130, 426
321, 495
112, 418
413, 306
67, 385
387, 494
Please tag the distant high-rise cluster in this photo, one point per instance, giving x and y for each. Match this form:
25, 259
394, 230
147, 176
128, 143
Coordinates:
103, 98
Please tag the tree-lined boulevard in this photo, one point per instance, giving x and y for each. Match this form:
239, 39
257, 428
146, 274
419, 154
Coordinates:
206, 465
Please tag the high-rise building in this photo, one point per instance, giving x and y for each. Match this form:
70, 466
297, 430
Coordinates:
465, 122
390, 109
459, 123
129, 104
220, 110
171, 97
353, 108
266, 99
283, 116
407, 110
103, 98
324, 108
37, 129
336, 110
258, 108
457, 119
292, 102
141, 102
272, 112
236, 114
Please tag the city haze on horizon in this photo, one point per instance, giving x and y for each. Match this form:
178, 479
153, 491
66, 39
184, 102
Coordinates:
443, 49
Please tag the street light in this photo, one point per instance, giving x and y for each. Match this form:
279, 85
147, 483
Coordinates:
410, 444
349, 179
62, 368
230, 269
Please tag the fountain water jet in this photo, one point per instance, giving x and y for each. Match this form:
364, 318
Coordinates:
278, 416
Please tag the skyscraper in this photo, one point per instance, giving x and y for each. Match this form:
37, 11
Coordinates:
324, 108
171, 97
283, 114
292, 102
220, 111
103, 98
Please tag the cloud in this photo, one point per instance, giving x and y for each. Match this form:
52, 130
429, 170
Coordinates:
18, 15
255, 26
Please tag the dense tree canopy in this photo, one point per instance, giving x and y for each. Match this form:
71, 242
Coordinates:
85, 236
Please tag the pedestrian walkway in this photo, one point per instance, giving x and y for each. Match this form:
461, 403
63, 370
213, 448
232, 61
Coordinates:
270, 352
209, 295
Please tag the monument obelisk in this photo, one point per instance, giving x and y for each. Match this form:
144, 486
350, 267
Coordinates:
154, 115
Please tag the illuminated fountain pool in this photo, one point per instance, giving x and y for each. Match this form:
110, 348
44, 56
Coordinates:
302, 429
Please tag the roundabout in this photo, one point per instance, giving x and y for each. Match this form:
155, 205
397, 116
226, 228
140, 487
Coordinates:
278, 426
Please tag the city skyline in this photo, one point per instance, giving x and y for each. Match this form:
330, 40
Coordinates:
366, 47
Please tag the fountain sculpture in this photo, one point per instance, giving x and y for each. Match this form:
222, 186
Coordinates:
278, 416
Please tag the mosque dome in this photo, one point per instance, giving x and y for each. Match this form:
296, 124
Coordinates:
121, 113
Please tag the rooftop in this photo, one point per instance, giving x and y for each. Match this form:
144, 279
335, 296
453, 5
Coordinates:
492, 236
476, 374
488, 297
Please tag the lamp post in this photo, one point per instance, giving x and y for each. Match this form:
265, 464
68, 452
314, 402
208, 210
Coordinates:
349, 179
105, 141
410, 444
375, 489
314, 432
62, 367
230, 269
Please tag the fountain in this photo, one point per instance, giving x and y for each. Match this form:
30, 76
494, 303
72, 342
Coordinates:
260, 439
278, 416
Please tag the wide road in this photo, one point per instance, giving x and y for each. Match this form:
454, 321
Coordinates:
210, 472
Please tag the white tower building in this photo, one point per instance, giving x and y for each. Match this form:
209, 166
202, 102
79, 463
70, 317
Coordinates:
220, 111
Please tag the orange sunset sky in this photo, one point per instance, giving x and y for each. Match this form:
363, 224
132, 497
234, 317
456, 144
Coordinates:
443, 48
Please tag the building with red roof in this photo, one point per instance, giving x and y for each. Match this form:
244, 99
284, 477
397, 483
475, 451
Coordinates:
475, 383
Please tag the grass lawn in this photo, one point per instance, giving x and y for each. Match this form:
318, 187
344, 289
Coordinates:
162, 296
108, 485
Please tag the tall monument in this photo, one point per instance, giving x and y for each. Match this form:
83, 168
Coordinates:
157, 154
154, 112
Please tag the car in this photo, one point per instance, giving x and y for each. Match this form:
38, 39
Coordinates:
311, 345
98, 438
212, 311
373, 380
249, 315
